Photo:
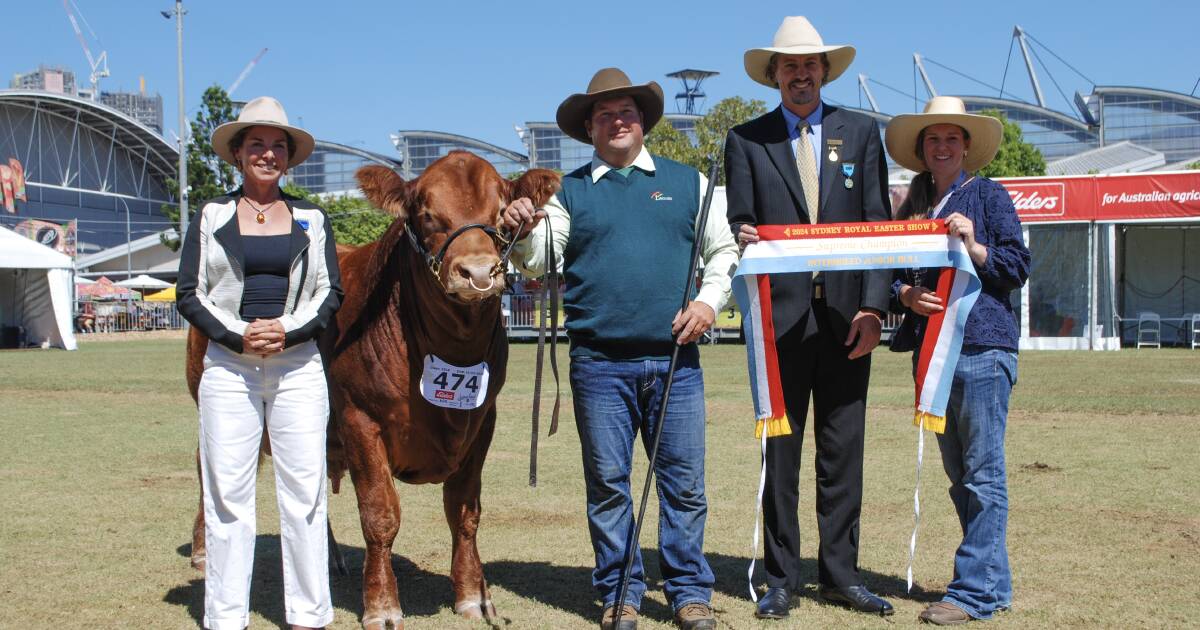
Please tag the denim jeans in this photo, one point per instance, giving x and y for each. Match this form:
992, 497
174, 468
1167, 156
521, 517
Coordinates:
973, 456
614, 400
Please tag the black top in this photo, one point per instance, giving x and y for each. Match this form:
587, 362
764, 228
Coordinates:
267, 270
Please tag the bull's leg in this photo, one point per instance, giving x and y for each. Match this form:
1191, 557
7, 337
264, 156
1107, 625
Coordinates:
460, 498
379, 513
199, 550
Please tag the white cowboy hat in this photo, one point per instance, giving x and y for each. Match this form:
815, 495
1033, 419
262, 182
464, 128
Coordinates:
902, 132
796, 36
268, 112
609, 83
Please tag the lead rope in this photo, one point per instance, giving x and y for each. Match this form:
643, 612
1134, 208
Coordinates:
548, 292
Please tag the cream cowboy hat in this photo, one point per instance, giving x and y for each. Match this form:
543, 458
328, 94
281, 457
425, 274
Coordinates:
268, 112
796, 36
609, 83
902, 132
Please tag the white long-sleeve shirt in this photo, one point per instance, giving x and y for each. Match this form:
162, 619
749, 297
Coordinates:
719, 252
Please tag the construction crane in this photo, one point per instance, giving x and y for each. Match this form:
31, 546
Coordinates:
245, 72
99, 64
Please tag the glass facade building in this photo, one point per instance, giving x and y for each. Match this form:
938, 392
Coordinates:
1055, 134
331, 167
1164, 121
550, 148
419, 149
87, 162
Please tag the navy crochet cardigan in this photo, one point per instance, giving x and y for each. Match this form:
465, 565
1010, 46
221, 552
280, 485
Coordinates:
992, 323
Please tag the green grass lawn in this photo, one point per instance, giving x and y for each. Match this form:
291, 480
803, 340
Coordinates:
98, 484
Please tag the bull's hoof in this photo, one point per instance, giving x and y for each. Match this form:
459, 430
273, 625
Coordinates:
391, 620
476, 609
198, 562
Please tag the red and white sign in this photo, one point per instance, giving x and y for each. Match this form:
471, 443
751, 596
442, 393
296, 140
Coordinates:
1039, 199
1106, 197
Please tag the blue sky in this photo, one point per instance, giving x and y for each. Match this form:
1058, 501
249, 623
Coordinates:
354, 71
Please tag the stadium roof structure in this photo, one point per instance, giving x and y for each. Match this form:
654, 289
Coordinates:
1145, 91
1122, 157
466, 141
371, 156
124, 130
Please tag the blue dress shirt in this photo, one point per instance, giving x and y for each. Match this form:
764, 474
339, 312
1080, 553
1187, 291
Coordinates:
814, 122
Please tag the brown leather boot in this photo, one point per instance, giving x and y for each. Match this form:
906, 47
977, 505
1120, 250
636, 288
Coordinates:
696, 616
944, 614
629, 616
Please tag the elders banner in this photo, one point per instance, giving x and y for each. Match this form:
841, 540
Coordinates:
1106, 197
1087, 198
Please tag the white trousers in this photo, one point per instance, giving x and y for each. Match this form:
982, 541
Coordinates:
239, 396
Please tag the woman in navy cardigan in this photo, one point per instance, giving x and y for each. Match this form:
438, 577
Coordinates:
945, 145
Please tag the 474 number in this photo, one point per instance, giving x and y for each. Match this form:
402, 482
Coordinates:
453, 380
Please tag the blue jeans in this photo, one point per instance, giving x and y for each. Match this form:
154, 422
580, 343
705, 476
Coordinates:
613, 401
973, 456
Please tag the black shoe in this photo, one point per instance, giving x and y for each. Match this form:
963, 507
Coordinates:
858, 598
774, 604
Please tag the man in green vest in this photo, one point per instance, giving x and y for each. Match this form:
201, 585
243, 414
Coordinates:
622, 230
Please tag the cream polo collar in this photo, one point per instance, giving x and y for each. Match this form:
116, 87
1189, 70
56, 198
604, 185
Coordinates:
643, 161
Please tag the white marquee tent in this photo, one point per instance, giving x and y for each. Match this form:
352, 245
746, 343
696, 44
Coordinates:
35, 293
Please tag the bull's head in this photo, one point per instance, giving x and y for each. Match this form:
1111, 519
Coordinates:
452, 216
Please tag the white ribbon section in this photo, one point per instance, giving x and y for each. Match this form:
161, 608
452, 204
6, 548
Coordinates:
762, 484
912, 543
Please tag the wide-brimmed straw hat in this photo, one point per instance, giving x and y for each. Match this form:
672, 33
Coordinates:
796, 36
605, 84
267, 112
902, 131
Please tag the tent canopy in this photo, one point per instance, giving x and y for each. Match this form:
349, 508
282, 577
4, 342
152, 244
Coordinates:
18, 252
144, 281
35, 297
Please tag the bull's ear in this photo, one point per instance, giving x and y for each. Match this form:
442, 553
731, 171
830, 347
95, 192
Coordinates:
384, 189
538, 184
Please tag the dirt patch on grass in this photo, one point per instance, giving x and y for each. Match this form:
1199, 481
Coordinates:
1039, 467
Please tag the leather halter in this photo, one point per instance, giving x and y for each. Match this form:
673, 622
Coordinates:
434, 261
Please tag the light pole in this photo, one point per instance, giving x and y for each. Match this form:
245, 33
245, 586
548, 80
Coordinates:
178, 13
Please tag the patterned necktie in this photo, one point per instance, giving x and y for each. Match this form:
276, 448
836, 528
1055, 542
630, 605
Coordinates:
806, 164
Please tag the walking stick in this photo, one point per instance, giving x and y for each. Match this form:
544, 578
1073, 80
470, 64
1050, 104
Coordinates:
632, 545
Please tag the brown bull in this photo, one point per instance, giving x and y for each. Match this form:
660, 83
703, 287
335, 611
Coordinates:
398, 312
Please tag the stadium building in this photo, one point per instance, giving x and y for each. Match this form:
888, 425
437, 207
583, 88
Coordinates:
88, 163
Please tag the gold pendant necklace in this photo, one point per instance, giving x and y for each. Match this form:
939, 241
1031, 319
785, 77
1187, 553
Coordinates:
261, 217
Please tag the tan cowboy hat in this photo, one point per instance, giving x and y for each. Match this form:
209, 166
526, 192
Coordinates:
902, 131
609, 83
266, 111
796, 36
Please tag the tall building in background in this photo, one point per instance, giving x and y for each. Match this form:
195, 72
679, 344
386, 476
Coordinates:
141, 107
46, 78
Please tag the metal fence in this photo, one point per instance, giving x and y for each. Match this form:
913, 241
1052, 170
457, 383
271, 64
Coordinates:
98, 316
520, 318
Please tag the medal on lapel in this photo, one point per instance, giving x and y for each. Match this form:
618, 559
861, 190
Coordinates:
848, 171
833, 146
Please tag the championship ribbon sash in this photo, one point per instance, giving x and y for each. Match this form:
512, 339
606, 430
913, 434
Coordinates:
846, 247
852, 247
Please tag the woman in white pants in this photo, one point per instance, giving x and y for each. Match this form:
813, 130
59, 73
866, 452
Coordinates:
258, 276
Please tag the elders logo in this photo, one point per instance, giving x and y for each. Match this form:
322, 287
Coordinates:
1038, 199
658, 196
443, 394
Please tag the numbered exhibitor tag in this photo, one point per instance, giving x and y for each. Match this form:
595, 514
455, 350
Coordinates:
454, 387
